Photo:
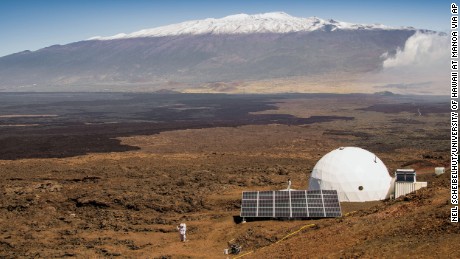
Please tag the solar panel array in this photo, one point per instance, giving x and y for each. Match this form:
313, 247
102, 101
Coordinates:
291, 204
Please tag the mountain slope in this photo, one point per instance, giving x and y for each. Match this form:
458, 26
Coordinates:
206, 57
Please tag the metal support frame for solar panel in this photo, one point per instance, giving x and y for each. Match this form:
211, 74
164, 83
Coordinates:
290, 204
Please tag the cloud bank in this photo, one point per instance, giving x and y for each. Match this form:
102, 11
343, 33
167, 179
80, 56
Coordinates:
423, 64
422, 50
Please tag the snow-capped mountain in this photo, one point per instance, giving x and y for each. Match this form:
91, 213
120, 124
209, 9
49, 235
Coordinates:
234, 48
276, 22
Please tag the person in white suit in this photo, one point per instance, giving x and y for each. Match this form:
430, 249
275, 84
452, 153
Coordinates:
182, 229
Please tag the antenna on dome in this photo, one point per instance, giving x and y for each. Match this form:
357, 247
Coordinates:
375, 159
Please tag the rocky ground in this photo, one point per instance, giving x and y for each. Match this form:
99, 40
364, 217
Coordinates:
128, 203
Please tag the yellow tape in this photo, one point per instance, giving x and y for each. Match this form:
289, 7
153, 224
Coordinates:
306, 226
243, 254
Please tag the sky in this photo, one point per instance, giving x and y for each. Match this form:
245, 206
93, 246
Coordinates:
35, 24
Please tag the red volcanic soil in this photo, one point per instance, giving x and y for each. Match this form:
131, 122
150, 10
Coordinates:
127, 203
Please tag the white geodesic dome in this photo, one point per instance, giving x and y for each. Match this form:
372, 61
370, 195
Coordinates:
357, 174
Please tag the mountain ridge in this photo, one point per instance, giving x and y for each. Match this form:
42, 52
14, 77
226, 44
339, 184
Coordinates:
273, 22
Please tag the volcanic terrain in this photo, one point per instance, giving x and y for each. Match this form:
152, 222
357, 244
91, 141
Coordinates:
107, 175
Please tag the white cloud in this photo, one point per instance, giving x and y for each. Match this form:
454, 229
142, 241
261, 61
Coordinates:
423, 64
421, 50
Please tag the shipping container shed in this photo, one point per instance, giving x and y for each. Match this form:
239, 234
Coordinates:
406, 182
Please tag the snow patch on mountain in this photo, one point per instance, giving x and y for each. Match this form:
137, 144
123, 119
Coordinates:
276, 22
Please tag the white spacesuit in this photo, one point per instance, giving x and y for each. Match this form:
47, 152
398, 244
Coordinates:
182, 229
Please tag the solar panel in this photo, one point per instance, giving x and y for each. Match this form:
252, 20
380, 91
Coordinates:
291, 204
